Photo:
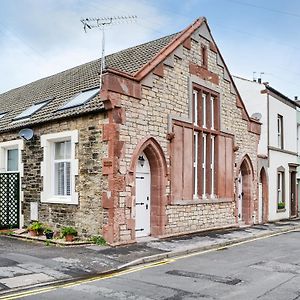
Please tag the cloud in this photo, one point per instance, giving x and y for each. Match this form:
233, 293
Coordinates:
41, 38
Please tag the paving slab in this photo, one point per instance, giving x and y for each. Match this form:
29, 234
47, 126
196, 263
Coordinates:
26, 280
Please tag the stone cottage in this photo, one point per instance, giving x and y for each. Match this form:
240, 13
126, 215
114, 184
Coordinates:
162, 149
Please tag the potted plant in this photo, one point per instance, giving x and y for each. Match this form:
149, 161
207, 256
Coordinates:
281, 205
68, 233
36, 228
48, 232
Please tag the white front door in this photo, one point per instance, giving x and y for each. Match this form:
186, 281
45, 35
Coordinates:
240, 197
142, 199
260, 203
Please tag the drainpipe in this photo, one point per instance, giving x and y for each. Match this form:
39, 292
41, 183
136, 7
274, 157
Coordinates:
268, 124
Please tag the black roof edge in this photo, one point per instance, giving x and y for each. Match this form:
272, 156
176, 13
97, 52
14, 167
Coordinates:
276, 92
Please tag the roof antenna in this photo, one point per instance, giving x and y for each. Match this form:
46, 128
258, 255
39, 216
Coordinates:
90, 23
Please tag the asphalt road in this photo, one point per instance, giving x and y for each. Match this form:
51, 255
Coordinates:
263, 269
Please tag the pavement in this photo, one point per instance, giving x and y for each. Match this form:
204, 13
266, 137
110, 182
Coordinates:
27, 264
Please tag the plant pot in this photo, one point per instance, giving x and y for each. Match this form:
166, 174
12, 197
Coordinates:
69, 238
49, 235
32, 233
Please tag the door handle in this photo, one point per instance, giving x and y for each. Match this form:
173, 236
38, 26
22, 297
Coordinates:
140, 203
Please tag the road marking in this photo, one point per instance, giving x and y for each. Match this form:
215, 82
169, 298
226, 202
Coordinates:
133, 269
234, 245
88, 280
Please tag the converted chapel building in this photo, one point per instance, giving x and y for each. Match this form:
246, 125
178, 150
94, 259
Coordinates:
164, 147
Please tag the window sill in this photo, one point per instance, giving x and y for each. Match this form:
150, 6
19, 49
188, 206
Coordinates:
281, 210
61, 200
202, 201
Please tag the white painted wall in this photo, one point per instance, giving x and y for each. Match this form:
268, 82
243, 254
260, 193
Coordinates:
278, 159
289, 124
255, 102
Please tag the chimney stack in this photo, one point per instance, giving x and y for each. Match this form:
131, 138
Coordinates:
296, 98
259, 80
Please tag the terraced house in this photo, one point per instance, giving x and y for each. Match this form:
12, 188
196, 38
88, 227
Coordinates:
277, 149
160, 150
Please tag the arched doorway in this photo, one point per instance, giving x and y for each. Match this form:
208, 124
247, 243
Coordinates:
244, 199
149, 151
263, 202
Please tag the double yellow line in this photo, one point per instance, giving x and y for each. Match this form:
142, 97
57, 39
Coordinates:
83, 281
130, 270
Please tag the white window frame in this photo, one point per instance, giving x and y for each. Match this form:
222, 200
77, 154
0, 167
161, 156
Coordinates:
63, 160
195, 95
279, 131
204, 137
47, 143
212, 110
195, 196
212, 166
204, 98
6, 160
280, 176
14, 144
10, 145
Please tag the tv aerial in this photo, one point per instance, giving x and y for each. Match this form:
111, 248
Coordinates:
102, 23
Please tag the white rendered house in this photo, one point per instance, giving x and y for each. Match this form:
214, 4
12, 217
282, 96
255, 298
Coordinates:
277, 149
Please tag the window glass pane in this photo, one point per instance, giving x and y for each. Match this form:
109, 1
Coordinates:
60, 150
204, 165
212, 109
59, 178
81, 98
68, 178
195, 164
195, 108
68, 149
31, 110
12, 160
212, 165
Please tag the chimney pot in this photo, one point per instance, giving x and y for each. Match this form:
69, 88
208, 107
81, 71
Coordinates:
259, 80
296, 98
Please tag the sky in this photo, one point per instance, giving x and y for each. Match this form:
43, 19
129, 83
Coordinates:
39, 38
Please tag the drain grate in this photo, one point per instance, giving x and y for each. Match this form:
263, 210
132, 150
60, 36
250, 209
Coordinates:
214, 278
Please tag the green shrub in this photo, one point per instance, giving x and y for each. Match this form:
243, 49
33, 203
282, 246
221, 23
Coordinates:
98, 240
36, 226
68, 231
281, 205
48, 230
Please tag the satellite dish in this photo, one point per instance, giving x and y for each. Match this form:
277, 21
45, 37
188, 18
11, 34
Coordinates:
26, 134
257, 116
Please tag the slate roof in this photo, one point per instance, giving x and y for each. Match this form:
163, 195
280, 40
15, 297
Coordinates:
66, 84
